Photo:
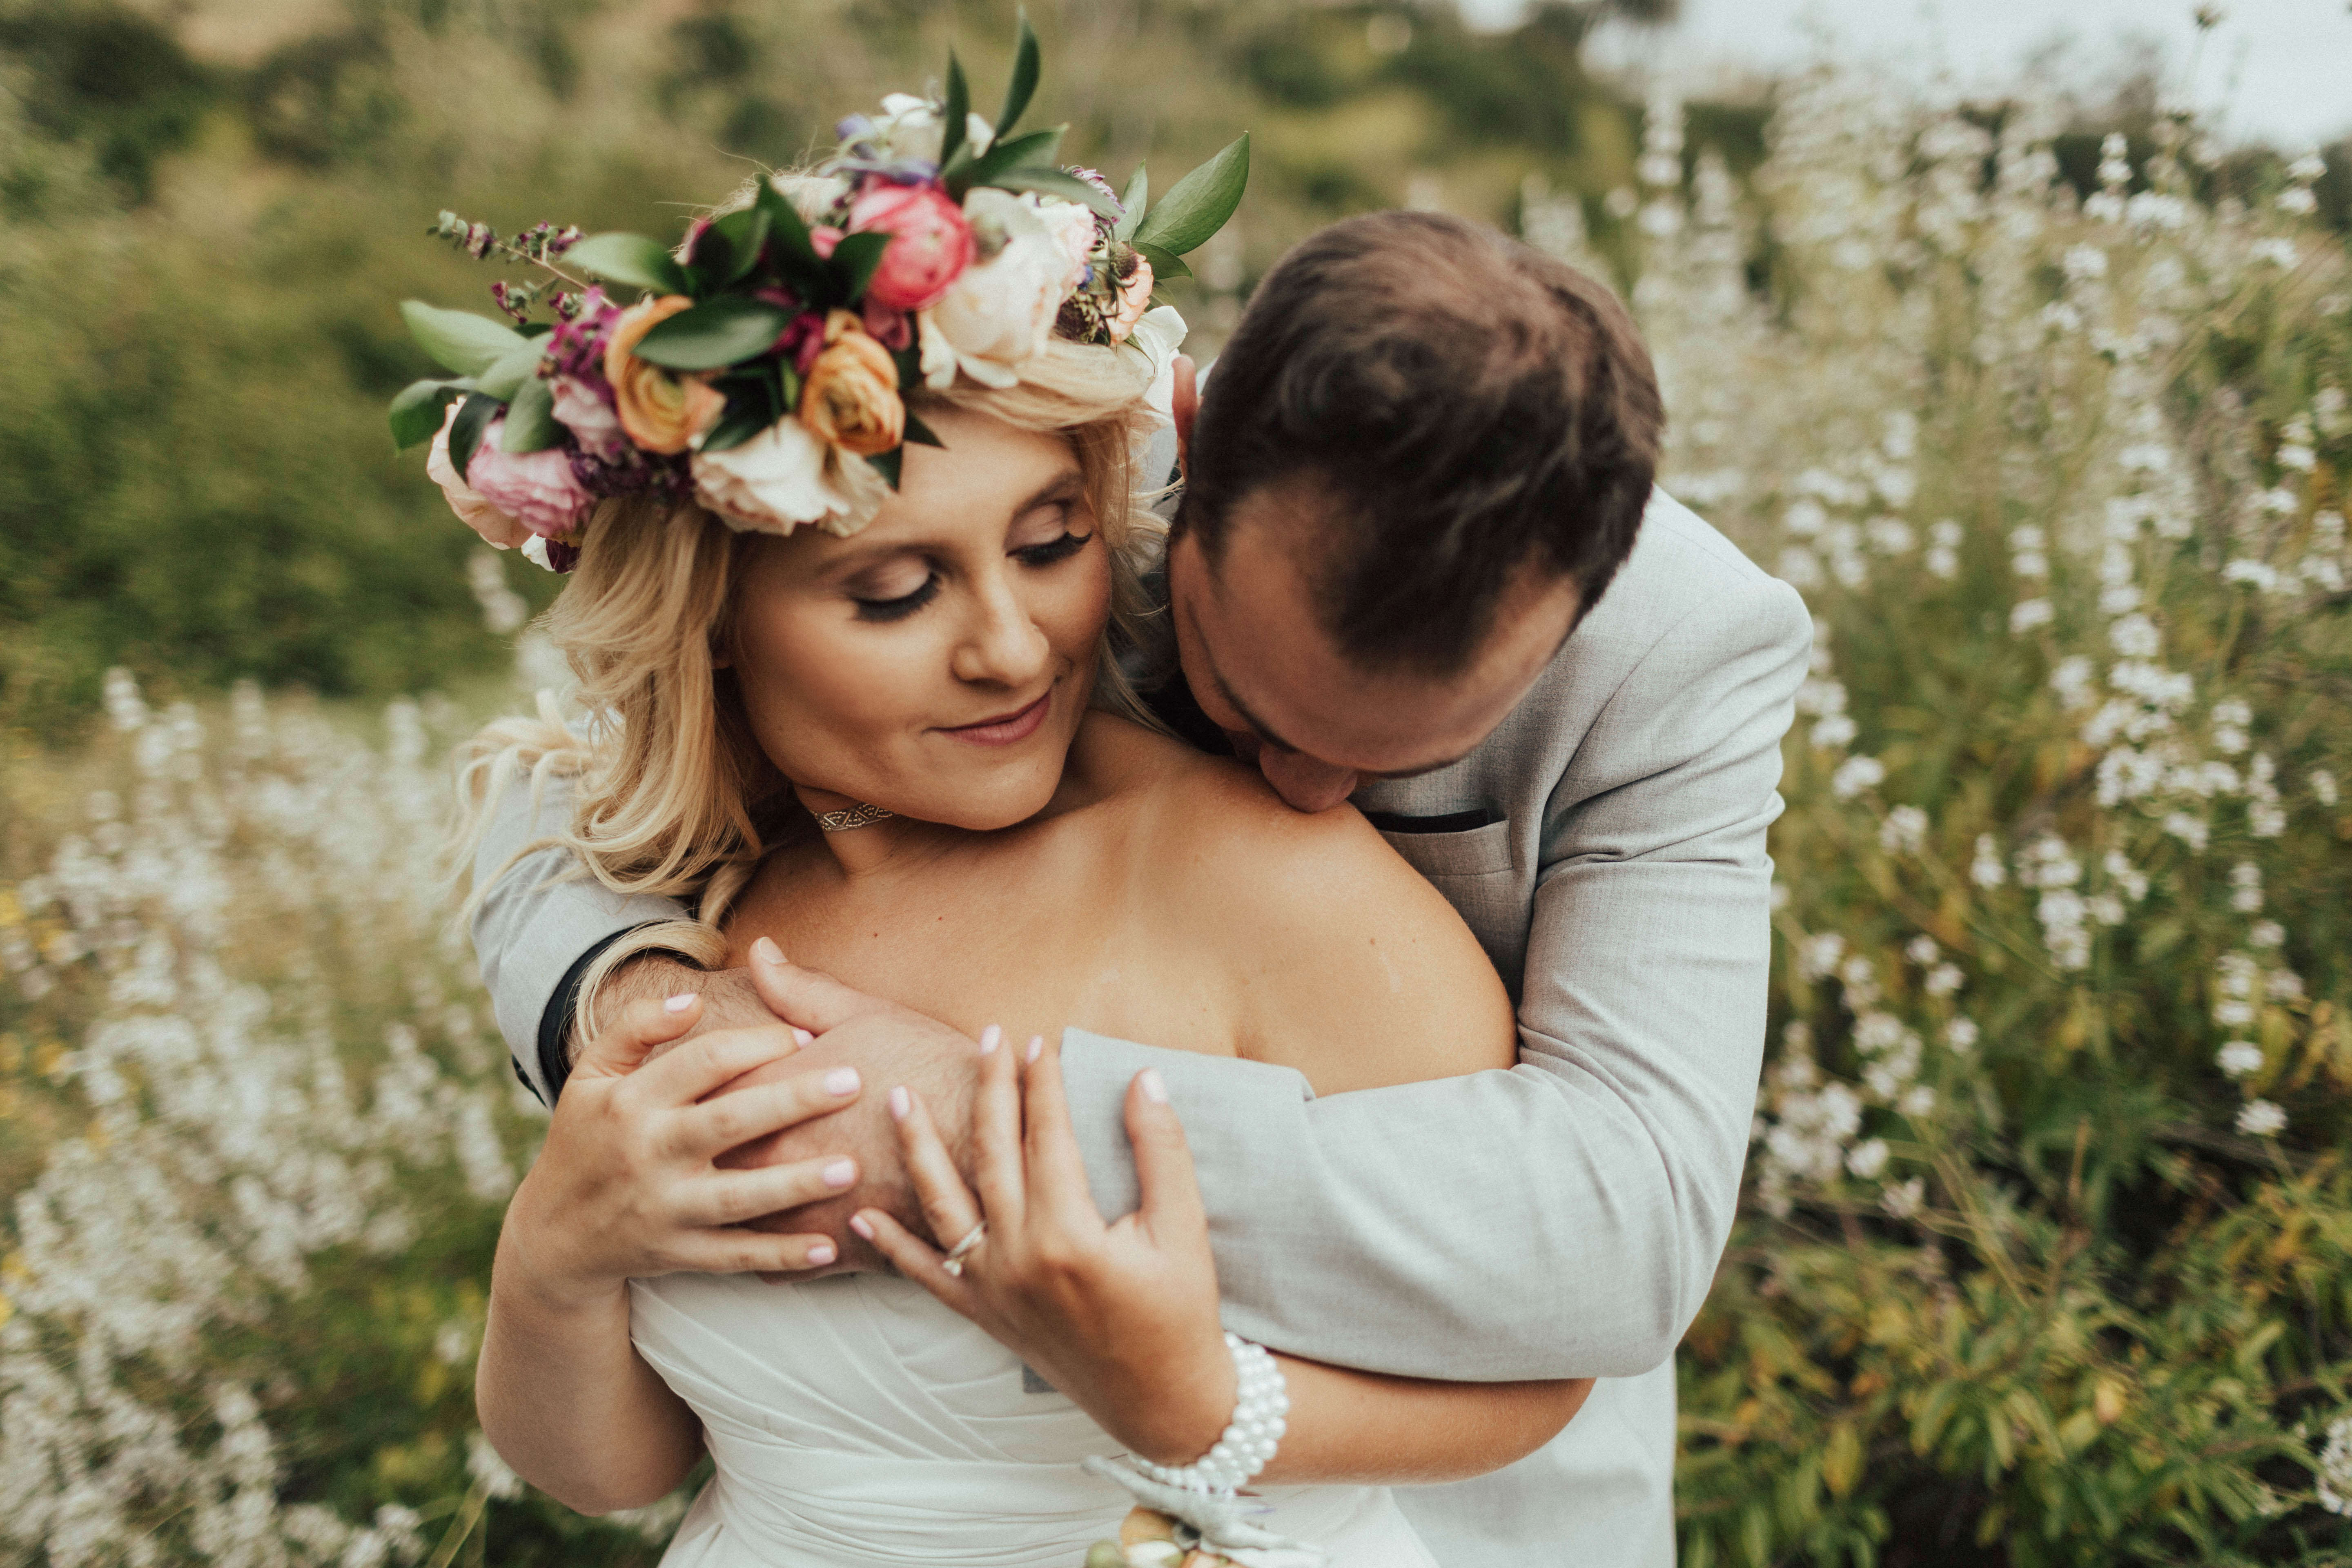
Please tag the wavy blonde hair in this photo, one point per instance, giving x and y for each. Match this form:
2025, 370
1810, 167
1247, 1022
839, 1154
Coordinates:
673, 794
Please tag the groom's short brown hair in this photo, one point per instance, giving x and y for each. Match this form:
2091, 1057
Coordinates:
1460, 406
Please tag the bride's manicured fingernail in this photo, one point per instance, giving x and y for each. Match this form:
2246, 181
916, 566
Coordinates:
901, 1103
802, 1036
1155, 1088
862, 1225
679, 1003
989, 1039
820, 1255
840, 1080
767, 952
1036, 1048
840, 1173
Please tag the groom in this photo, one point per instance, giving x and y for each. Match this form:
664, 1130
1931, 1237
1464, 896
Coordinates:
1424, 455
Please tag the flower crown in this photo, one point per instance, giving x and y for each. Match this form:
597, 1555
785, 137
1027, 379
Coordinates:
760, 368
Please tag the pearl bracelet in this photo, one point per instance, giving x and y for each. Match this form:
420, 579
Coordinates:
1260, 1403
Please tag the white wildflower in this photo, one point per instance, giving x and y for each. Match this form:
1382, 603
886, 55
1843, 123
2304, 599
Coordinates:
2261, 1119
2240, 1058
1856, 775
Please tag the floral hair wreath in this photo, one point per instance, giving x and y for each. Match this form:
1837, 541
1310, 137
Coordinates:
761, 369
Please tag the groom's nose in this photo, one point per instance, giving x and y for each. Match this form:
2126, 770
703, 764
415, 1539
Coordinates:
1307, 785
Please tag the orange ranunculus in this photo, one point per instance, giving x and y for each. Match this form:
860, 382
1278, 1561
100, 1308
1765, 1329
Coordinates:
660, 409
851, 398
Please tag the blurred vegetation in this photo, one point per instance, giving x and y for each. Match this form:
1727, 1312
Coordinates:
209, 209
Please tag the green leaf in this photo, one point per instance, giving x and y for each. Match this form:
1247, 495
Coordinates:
921, 433
956, 115
1165, 265
1039, 147
855, 259
417, 412
530, 423
716, 332
459, 341
1199, 203
1026, 70
1137, 193
474, 416
1054, 182
629, 259
887, 464
731, 246
502, 378
741, 421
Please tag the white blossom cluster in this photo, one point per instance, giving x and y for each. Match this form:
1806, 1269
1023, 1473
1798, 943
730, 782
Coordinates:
1798, 427
214, 917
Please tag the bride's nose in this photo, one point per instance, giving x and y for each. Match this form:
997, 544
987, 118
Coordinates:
1001, 643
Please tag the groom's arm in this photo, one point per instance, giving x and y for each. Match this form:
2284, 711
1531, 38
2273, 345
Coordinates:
1564, 1217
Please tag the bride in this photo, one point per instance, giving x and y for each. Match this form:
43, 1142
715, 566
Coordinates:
898, 747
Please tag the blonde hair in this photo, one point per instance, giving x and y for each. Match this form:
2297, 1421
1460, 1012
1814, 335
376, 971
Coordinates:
666, 772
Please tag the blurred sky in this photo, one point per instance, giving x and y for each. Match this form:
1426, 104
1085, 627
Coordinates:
2274, 71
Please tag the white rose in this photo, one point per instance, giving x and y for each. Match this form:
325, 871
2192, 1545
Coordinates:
1159, 335
999, 314
1073, 228
908, 127
785, 477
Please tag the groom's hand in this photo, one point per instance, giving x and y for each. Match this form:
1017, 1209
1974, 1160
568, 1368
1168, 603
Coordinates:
889, 1045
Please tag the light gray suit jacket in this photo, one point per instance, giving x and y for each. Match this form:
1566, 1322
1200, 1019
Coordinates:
1561, 1218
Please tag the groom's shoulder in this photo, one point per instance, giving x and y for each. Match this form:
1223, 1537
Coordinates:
1685, 587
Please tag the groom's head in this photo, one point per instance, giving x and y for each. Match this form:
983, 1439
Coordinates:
1423, 456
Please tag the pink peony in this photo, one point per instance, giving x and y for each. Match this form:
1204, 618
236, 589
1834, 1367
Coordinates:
931, 243
501, 531
537, 489
1134, 298
585, 408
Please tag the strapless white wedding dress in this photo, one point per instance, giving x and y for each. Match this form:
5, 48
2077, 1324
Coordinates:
856, 1423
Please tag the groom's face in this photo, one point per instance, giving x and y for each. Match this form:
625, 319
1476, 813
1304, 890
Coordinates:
1264, 670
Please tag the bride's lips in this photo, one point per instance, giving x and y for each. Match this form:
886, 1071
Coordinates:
1005, 728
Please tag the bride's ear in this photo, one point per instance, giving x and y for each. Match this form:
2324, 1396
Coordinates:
1185, 404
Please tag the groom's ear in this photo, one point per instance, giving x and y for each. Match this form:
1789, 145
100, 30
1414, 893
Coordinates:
1186, 403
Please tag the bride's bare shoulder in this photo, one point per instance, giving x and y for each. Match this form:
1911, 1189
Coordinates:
1336, 956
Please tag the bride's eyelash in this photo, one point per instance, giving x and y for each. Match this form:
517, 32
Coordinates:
1051, 553
899, 608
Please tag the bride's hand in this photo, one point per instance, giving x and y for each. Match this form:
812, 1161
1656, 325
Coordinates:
1121, 1317
627, 1184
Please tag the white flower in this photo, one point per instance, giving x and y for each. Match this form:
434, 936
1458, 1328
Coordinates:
1945, 979
1963, 1034
2261, 1119
2027, 614
813, 196
1986, 870
2323, 786
1918, 1102
1867, 1159
2239, 1059
2265, 933
2335, 1468
1000, 314
1905, 831
1904, 1198
1854, 775
785, 477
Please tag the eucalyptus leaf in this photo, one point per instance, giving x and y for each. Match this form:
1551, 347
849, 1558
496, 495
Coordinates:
713, 335
1054, 182
887, 464
502, 378
1165, 265
1199, 204
417, 412
1025, 72
921, 433
741, 421
1038, 147
474, 416
957, 113
630, 258
1137, 193
530, 423
459, 341
855, 259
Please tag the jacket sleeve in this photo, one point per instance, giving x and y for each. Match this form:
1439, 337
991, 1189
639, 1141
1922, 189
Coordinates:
538, 918
1564, 1218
